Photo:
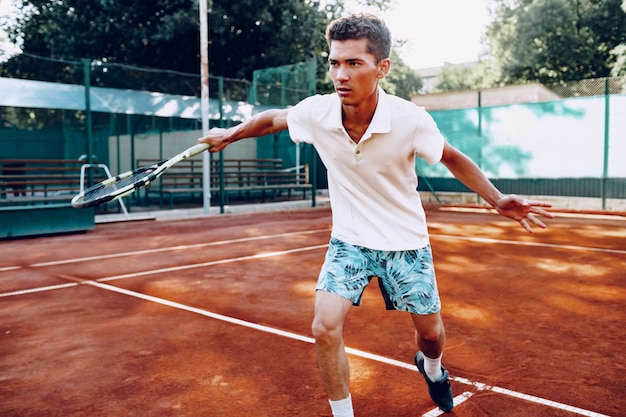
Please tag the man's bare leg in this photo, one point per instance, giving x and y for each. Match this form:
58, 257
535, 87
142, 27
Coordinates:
431, 337
330, 314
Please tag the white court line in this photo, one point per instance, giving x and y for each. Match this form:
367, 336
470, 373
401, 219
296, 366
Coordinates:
527, 397
537, 244
254, 238
201, 312
171, 269
548, 403
39, 289
211, 263
174, 248
576, 215
459, 399
367, 355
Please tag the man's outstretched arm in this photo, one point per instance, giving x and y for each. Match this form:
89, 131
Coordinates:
514, 207
261, 124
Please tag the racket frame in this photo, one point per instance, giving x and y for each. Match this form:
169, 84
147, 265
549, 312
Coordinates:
152, 173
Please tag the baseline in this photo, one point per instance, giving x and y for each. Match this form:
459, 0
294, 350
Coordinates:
535, 244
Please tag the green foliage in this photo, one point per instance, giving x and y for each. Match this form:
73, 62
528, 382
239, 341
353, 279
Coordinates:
483, 74
161, 32
454, 78
401, 81
619, 69
376, 4
244, 35
248, 34
555, 40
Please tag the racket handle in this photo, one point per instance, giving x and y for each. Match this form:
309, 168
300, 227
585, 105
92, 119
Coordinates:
195, 150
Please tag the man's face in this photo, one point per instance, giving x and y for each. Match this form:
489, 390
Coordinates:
354, 71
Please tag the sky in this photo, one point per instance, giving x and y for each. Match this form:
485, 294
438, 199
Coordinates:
6, 10
436, 31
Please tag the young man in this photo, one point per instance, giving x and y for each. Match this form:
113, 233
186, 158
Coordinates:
368, 142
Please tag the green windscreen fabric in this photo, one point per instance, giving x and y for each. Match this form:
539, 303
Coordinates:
558, 139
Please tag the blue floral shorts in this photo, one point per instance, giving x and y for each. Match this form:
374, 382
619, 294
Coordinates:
406, 278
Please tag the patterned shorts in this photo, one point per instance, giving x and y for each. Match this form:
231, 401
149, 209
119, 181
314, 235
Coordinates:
406, 278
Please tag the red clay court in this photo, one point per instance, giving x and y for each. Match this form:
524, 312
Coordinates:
211, 316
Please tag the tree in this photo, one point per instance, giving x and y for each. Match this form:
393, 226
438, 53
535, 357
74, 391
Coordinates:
619, 69
131, 32
454, 78
401, 80
245, 35
248, 34
480, 75
555, 40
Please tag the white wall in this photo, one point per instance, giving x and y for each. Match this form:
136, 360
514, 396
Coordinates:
153, 145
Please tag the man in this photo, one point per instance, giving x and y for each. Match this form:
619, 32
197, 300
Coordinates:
368, 141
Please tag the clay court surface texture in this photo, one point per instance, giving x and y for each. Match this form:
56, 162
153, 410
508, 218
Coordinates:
210, 316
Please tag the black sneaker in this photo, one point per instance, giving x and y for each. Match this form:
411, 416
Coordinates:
439, 391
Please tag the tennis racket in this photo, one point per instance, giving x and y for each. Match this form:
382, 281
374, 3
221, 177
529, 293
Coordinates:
131, 181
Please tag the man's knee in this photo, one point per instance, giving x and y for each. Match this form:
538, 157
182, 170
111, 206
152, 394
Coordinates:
325, 330
429, 328
432, 334
330, 313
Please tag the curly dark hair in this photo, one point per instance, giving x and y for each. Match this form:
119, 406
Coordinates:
362, 26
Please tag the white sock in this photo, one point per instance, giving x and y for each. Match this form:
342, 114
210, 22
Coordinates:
342, 408
432, 367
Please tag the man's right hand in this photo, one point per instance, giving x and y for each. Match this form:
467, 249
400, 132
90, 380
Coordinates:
216, 138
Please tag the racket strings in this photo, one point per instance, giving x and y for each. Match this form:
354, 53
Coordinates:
137, 177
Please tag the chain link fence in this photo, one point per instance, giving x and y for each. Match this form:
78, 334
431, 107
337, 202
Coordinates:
589, 88
563, 139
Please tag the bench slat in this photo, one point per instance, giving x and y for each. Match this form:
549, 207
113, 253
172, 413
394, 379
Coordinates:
26, 181
240, 176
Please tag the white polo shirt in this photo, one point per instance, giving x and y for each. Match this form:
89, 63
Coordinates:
372, 185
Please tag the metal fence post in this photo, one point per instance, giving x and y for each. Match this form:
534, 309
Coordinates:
605, 168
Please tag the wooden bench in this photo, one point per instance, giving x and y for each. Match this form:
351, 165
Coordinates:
264, 178
41, 181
